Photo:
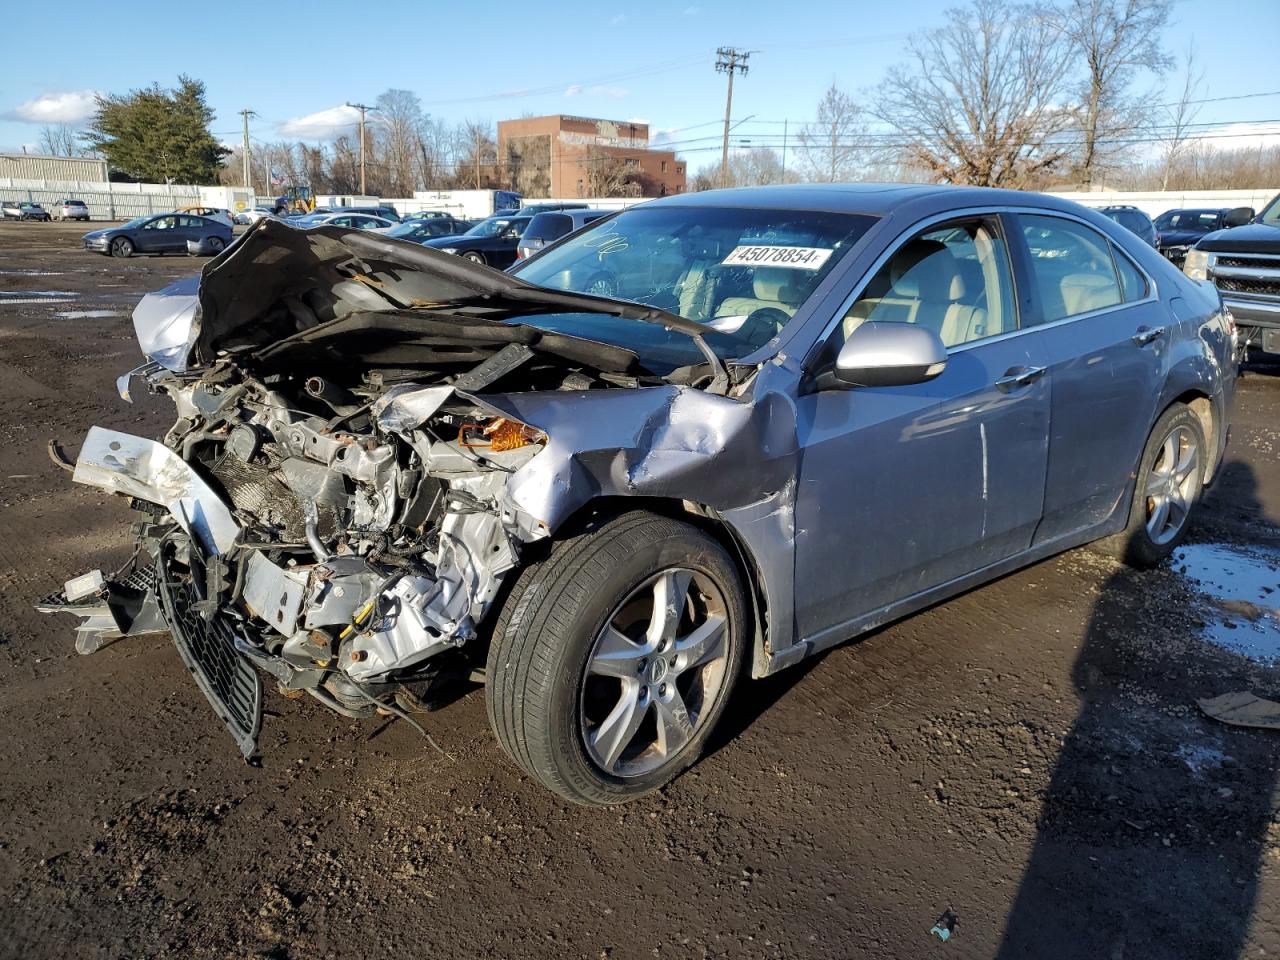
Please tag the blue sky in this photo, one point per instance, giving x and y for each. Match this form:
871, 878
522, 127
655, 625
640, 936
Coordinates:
297, 63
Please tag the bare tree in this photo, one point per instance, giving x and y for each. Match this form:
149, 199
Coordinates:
608, 175
979, 102
1181, 116
400, 126
60, 140
1116, 40
831, 146
476, 163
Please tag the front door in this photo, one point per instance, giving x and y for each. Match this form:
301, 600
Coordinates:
902, 489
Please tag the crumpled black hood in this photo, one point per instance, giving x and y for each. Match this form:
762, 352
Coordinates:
278, 281
1250, 238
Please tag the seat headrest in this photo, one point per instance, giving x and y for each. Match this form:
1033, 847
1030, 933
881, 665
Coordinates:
774, 283
926, 269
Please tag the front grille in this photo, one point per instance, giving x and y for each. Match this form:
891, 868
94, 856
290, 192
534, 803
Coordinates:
207, 647
1246, 262
1264, 288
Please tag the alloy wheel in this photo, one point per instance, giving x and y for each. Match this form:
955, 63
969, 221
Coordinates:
657, 667
1171, 484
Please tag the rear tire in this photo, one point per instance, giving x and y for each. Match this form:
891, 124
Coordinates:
215, 244
614, 657
1167, 487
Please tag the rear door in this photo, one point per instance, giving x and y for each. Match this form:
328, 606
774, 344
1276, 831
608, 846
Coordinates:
1105, 337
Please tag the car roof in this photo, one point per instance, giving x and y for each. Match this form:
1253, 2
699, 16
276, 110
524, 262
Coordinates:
872, 199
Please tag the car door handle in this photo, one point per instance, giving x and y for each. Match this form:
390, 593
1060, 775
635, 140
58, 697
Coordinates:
1016, 377
1147, 334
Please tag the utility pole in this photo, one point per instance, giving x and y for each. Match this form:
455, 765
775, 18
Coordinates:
784, 151
363, 108
476, 131
729, 60
244, 153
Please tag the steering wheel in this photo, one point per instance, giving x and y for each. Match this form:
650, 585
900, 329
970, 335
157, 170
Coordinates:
762, 325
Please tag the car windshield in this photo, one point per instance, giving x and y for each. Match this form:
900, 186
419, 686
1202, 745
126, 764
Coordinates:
135, 223
743, 272
1271, 213
1197, 220
490, 228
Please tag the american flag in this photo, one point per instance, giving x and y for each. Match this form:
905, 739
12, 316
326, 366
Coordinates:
276, 179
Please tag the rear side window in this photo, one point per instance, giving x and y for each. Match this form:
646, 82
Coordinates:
1134, 222
1133, 285
1074, 270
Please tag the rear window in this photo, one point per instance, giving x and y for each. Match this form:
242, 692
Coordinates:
549, 226
73, 203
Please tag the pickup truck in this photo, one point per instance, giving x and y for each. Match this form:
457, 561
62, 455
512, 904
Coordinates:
1243, 262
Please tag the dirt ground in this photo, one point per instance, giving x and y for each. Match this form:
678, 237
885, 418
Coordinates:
1028, 756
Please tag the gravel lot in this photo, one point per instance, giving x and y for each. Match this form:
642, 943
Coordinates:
1028, 755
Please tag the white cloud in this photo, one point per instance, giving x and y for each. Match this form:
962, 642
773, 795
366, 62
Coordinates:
618, 18
323, 124
573, 90
1241, 136
75, 106
692, 11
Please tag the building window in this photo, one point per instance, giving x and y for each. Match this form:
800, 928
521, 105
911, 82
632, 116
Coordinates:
680, 170
664, 166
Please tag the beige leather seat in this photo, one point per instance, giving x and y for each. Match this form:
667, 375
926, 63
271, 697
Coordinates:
1082, 292
773, 287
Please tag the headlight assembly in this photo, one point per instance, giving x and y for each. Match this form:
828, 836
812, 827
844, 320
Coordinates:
1197, 264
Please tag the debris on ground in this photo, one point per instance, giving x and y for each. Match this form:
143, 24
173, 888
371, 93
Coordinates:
945, 926
1243, 709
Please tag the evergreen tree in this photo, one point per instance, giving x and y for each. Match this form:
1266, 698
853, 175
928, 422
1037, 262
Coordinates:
158, 135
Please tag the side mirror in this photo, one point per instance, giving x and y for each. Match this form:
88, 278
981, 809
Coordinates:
1239, 216
884, 354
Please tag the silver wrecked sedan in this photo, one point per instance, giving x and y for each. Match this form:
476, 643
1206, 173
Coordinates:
706, 437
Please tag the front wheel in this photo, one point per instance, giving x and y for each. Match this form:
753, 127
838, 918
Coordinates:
122, 247
1170, 476
614, 658
474, 257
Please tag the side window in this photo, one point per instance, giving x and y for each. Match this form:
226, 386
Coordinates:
191, 222
954, 279
163, 223
1133, 285
1073, 267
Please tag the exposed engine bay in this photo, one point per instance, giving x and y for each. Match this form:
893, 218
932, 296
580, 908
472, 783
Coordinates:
348, 482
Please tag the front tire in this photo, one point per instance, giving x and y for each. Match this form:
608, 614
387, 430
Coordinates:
614, 657
474, 257
1170, 477
122, 247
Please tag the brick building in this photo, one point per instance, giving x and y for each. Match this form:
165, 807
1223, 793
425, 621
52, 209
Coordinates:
561, 156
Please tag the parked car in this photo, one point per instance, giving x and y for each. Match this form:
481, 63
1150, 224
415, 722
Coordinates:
1243, 262
533, 209
72, 210
1179, 230
429, 229
547, 228
254, 214
1132, 219
811, 410
491, 242
357, 221
220, 214
24, 210
385, 212
425, 215
160, 234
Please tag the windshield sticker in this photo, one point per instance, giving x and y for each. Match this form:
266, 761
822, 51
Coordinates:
795, 258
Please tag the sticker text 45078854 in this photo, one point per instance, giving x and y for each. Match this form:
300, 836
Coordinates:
796, 258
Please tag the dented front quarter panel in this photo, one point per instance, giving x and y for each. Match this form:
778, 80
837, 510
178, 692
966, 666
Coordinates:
735, 457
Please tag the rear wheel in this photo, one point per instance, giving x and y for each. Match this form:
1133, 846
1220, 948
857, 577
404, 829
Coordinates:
614, 657
1170, 476
122, 247
215, 244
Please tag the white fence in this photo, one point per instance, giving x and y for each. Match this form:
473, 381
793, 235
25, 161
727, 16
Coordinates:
106, 200
1154, 203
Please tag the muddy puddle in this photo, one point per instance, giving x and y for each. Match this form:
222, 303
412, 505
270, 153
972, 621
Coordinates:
1241, 587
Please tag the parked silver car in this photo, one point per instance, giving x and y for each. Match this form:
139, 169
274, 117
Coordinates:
72, 210
801, 413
